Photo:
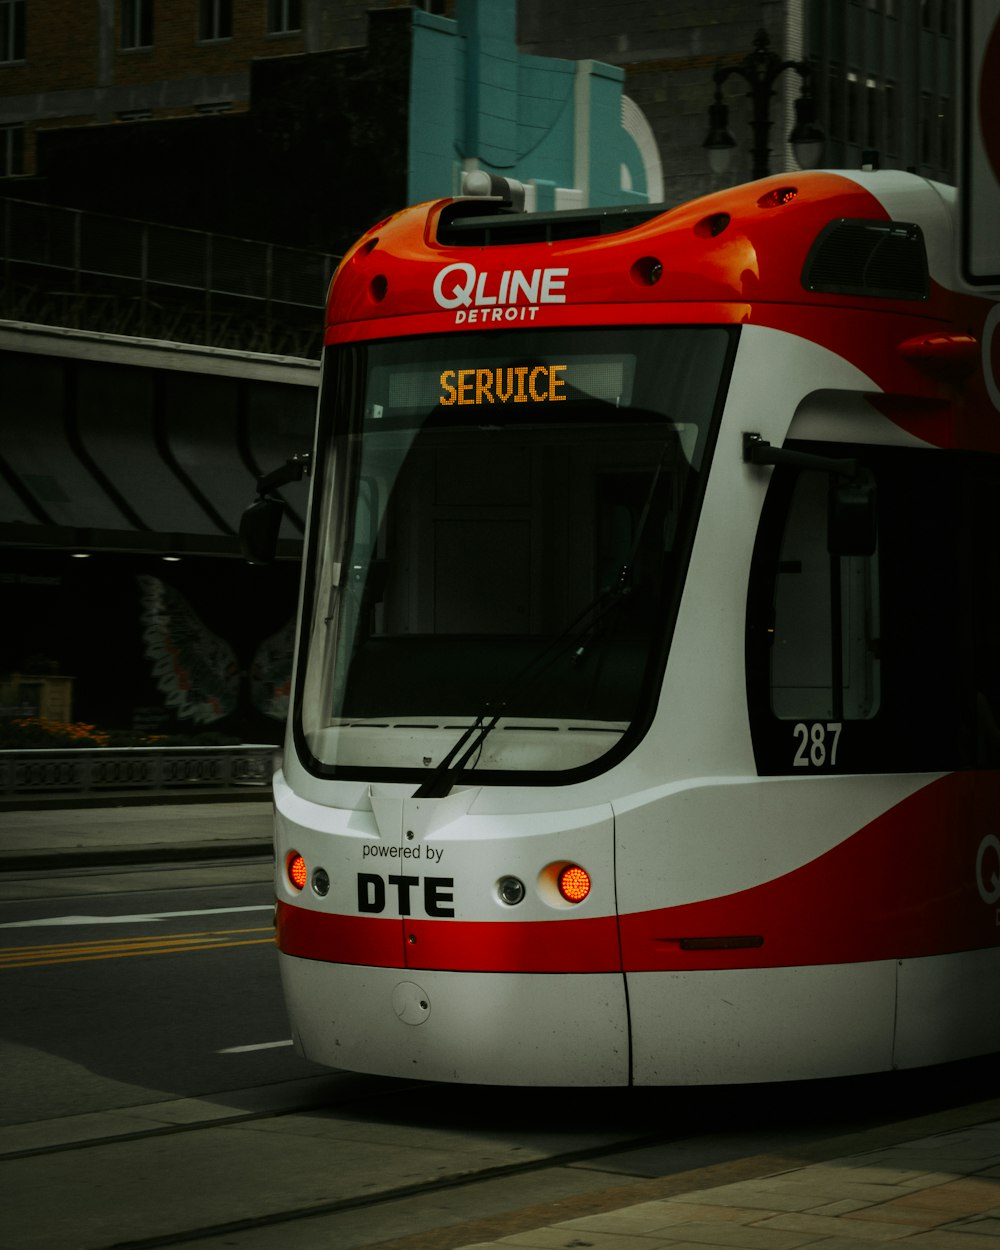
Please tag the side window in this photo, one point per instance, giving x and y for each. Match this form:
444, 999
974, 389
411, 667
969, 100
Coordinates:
883, 658
825, 644
980, 556
814, 624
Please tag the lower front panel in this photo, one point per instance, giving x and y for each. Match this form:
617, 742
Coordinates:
480, 1028
762, 1024
949, 1007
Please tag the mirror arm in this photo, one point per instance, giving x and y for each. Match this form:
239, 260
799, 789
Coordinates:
757, 450
293, 470
261, 520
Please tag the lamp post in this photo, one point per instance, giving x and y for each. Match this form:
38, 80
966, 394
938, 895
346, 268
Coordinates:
760, 68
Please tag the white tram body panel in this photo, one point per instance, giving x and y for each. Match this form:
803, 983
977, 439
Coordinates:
708, 1025
759, 909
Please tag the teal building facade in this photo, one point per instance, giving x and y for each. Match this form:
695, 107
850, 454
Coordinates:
565, 129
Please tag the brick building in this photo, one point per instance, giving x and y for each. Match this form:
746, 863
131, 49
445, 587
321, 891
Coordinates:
63, 63
328, 82
122, 475
298, 123
884, 75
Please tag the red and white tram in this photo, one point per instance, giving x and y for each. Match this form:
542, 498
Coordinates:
646, 716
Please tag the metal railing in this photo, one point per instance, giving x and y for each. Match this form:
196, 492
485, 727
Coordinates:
88, 271
86, 771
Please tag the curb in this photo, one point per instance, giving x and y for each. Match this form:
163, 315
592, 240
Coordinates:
132, 798
116, 857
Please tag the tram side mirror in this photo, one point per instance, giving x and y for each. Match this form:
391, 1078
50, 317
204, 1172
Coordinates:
851, 520
851, 523
261, 521
259, 526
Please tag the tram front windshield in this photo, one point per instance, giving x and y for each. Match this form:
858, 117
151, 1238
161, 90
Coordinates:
501, 526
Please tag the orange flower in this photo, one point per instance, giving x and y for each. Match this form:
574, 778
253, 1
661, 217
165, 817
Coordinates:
78, 731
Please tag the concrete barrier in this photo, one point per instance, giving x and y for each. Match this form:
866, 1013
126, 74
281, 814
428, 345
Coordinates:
90, 772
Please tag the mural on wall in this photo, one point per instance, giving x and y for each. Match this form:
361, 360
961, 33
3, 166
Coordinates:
219, 632
197, 672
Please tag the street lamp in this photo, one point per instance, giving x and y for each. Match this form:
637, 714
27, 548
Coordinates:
760, 68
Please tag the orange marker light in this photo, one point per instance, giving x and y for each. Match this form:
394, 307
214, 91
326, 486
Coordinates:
574, 883
775, 199
298, 873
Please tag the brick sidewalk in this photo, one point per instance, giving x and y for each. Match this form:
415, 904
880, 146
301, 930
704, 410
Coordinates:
934, 1193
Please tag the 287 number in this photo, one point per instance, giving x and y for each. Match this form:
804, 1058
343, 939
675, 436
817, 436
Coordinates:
817, 744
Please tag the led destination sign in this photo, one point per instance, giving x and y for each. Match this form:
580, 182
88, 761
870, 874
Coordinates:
522, 384
482, 382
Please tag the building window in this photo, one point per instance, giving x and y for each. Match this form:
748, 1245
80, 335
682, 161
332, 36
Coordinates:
11, 151
137, 23
946, 125
926, 129
283, 16
853, 107
215, 19
891, 118
12, 30
835, 100
871, 113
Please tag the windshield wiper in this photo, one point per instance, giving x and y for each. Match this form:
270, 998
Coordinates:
581, 630
439, 783
581, 627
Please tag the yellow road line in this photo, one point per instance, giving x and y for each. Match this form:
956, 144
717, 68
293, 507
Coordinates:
84, 952
96, 943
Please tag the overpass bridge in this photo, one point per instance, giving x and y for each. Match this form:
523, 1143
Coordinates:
127, 458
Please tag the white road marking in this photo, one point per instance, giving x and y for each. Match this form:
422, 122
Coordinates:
147, 918
241, 1050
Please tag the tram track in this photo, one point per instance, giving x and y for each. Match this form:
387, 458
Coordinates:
217, 1118
165, 1130
383, 1198
394, 1108
475, 1157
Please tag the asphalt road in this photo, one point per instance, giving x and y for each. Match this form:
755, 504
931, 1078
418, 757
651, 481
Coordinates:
149, 1096
117, 998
